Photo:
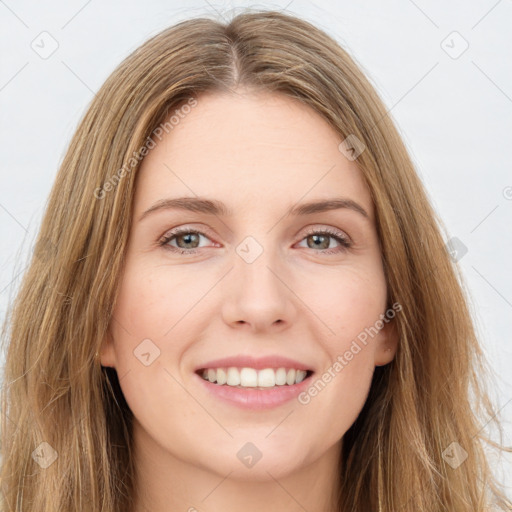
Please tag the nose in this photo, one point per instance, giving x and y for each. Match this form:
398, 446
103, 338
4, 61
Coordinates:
259, 298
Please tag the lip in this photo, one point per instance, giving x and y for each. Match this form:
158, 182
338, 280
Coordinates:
258, 363
252, 398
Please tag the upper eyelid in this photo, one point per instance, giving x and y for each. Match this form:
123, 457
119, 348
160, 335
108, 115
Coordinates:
186, 228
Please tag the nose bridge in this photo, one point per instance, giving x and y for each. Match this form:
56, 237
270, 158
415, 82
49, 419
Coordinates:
256, 266
258, 295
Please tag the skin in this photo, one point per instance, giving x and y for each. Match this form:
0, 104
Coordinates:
260, 154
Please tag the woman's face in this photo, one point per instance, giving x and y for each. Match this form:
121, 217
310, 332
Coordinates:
258, 281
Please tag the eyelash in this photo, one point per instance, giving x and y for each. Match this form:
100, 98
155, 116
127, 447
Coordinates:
344, 242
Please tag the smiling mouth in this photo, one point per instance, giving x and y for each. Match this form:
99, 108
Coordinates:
251, 378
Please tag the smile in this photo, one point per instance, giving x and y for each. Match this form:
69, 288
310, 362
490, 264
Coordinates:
253, 378
252, 389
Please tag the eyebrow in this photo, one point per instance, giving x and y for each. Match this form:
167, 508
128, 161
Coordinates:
215, 207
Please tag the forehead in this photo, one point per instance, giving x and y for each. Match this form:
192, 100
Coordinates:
249, 148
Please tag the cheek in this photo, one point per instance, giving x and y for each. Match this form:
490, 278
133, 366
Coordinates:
348, 302
350, 306
152, 303
147, 308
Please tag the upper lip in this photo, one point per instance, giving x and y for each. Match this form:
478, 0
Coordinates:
258, 363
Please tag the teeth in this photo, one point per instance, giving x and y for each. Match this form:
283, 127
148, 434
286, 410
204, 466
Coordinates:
281, 377
233, 377
221, 376
252, 378
266, 378
248, 377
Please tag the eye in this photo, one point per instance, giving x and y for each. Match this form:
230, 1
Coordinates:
319, 238
188, 240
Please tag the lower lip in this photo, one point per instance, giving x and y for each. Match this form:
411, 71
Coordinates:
251, 398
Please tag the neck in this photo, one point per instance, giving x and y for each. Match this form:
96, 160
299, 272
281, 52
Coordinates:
163, 482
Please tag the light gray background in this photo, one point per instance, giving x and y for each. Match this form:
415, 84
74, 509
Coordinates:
453, 109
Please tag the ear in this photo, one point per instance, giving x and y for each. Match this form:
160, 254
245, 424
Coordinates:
107, 352
387, 343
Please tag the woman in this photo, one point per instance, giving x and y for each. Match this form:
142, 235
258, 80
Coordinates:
241, 298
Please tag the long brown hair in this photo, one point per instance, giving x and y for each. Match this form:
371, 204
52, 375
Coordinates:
57, 401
